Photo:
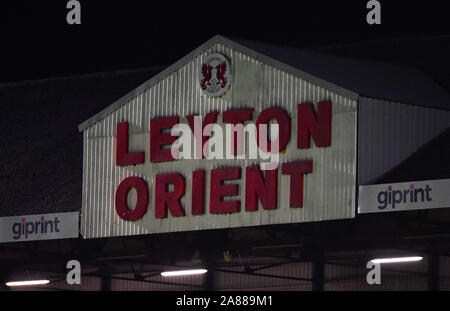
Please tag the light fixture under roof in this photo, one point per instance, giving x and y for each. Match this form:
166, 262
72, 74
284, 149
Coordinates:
27, 283
184, 272
397, 259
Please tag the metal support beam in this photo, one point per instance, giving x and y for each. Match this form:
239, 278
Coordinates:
209, 280
112, 277
433, 272
318, 273
105, 284
212, 268
4, 277
263, 274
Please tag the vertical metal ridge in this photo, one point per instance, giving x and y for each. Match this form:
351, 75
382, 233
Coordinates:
179, 94
390, 132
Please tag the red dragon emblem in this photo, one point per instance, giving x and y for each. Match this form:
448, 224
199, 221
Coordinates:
207, 74
221, 70
215, 75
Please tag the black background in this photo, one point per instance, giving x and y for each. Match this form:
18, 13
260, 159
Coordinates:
37, 42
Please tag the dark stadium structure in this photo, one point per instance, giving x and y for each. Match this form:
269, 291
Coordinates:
41, 171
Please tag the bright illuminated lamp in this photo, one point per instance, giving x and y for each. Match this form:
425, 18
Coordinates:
28, 283
397, 260
184, 272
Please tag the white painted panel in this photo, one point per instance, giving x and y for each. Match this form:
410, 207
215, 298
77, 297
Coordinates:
389, 132
329, 192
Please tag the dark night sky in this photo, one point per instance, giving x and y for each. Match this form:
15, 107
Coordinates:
116, 35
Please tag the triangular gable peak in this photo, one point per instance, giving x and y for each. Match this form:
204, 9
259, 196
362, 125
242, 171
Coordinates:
259, 84
230, 49
258, 81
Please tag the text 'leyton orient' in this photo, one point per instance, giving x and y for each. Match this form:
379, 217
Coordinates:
258, 186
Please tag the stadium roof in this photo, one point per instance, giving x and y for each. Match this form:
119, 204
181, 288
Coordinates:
41, 149
346, 76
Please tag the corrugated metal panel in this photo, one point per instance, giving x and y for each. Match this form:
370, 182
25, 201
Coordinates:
346, 278
234, 281
397, 283
88, 283
390, 132
362, 76
180, 283
329, 191
223, 280
274, 61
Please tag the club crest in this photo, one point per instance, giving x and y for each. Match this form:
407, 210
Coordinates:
215, 75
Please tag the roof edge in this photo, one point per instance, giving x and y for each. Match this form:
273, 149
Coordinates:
381, 179
217, 39
290, 69
153, 80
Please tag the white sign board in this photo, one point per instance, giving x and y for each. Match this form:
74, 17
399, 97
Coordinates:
131, 184
407, 196
39, 227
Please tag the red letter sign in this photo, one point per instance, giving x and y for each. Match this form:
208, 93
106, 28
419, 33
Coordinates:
142, 198
256, 187
238, 116
158, 139
169, 200
122, 156
210, 118
198, 192
284, 126
296, 170
319, 128
219, 190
